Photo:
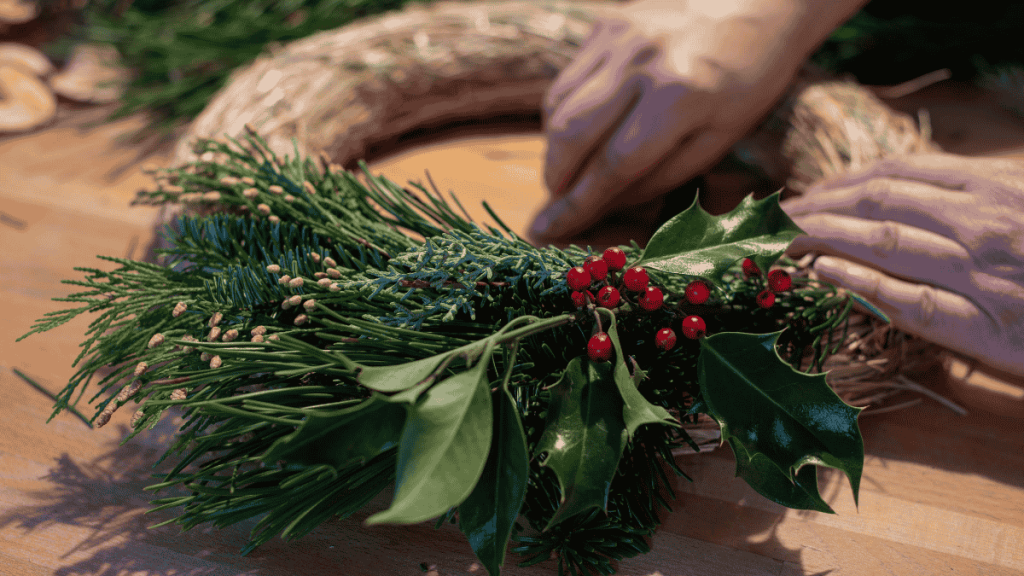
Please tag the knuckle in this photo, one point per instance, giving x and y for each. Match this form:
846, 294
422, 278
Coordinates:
885, 239
617, 164
875, 196
644, 55
927, 303
889, 166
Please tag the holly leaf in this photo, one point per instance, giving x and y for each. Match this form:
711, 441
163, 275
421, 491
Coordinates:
775, 416
772, 482
342, 437
695, 243
636, 410
443, 447
584, 437
486, 517
401, 377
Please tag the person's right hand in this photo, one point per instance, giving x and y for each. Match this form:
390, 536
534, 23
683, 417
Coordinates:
660, 91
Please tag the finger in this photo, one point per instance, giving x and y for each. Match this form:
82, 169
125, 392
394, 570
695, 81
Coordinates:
936, 315
581, 123
593, 197
588, 60
689, 159
940, 169
891, 247
917, 204
656, 126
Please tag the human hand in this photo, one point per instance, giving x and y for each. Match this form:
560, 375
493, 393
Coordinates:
660, 91
936, 241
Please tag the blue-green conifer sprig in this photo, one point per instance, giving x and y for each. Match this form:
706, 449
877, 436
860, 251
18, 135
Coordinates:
454, 263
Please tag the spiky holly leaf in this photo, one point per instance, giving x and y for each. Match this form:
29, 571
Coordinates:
443, 448
695, 243
636, 410
584, 437
799, 492
490, 511
776, 416
342, 437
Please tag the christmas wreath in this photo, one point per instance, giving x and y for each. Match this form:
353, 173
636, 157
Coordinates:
324, 339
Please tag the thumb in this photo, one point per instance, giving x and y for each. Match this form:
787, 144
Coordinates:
573, 213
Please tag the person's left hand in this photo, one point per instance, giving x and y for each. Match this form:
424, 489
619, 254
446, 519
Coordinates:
936, 241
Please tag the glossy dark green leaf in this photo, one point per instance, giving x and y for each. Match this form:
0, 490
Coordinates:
769, 410
636, 410
488, 514
443, 447
400, 377
343, 437
695, 243
799, 492
584, 437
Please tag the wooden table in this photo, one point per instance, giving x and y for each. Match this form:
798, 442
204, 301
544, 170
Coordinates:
941, 493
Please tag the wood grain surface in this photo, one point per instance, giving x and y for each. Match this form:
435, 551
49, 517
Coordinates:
941, 493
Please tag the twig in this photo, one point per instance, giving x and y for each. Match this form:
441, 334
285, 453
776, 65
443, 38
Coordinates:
910, 384
893, 408
911, 86
171, 381
426, 284
383, 253
49, 395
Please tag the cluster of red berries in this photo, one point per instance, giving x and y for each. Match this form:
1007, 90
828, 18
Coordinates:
635, 279
596, 269
778, 281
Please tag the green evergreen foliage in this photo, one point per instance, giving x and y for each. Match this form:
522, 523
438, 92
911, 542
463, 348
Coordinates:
319, 351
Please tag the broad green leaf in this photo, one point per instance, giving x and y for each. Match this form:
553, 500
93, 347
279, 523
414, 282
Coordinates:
695, 243
400, 377
770, 481
584, 437
488, 514
636, 410
343, 437
769, 410
443, 447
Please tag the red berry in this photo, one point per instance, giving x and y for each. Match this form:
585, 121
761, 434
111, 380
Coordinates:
765, 299
579, 299
779, 281
578, 278
750, 269
636, 279
597, 268
652, 299
599, 349
697, 292
608, 297
665, 339
694, 327
615, 258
